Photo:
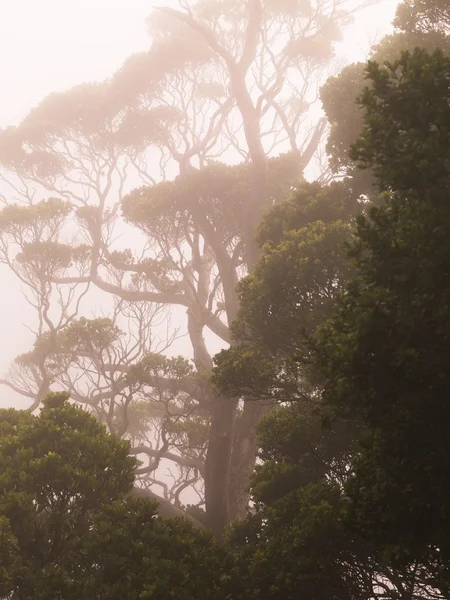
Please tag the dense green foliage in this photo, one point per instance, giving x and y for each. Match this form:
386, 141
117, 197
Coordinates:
69, 529
290, 291
385, 352
418, 23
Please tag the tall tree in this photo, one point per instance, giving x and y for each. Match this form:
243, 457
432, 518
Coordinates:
384, 353
218, 77
302, 514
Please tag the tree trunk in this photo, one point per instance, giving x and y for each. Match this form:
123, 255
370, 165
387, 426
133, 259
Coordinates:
219, 479
244, 448
221, 437
243, 457
218, 462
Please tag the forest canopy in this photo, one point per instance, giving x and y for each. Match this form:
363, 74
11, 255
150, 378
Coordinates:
299, 447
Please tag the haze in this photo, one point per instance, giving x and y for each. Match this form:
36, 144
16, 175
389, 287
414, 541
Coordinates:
52, 45
225, 299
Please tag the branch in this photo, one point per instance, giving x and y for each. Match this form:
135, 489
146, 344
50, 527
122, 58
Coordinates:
207, 35
202, 357
252, 34
188, 385
130, 295
308, 153
190, 463
27, 394
216, 325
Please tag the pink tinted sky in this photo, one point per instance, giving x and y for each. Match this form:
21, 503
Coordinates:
51, 45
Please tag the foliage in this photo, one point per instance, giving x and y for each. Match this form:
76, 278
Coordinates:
424, 16
419, 23
297, 539
300, 540
385, 351
289, 292
217, 190
296, 548
297, 449
69, 529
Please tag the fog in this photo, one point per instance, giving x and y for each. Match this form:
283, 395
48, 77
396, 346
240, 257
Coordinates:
50, 46
224, 299
53, 45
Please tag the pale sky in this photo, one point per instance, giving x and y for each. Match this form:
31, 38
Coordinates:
52, 45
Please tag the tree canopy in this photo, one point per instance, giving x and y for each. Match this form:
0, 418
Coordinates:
69, 528
384, 352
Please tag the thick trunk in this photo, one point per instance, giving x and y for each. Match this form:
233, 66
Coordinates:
218, 463
243, 457
244, 449
223, 410
258, 201
223, 415
220, 486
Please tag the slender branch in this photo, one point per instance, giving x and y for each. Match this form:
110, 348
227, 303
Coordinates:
208, 35
180, 460
25, 393
314, 141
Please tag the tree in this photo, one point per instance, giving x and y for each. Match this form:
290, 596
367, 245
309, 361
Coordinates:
289, 293
424, 16
394, 248
418, 23
69, 528
384, 353
298, 551
297, 540
218, 77
240, 39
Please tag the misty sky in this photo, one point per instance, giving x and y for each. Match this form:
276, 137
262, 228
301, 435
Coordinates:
52, 45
